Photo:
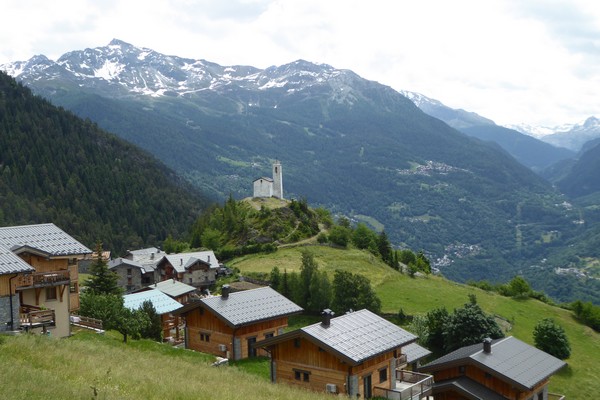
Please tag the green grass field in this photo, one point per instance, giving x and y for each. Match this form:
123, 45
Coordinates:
91, 366
581, 379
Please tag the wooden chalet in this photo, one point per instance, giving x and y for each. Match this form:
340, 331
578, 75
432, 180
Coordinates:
49, 292
228, 325
358, 354
12, 267
164, 306
495, 370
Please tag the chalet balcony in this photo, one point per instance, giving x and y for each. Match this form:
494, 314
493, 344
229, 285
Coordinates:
43, 279
409, 386
32, 317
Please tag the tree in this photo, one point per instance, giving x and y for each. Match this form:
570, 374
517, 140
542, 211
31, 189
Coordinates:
275, 278
105, 307
419, 326
284, 285
340, 235
364, 238
130, 323
320, 292
519, 287
469, 325
436, 321
153, 327
550, 337
385, 248
353, 292
308, 268
102, 280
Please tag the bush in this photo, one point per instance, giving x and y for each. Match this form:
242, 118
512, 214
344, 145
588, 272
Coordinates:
551, 338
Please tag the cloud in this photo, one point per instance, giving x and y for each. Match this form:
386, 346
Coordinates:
509, 61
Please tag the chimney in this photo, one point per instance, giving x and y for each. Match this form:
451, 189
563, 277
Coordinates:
487, 345
173, 280
225, 292
327, 314
152, 256
209, 258
181, 261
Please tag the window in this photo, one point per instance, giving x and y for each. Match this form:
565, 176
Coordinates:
74, 287
205, 337
382, 375
51, 293
129, 271
300, 375
269, 335
461, 369
488, 375
297, 343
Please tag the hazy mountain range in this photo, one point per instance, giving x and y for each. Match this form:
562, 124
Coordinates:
355, 146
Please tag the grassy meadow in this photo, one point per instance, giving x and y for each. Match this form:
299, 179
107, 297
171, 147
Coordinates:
581, 379
91, 366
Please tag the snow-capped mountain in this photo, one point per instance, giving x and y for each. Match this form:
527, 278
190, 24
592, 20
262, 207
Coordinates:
570, 136
456, 118
121, 68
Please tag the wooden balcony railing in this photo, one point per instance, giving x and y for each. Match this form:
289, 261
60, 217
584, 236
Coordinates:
409, 385
32, 318
40, 279
401, 361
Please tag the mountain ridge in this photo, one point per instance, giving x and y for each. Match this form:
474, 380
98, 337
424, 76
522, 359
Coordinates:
352, 145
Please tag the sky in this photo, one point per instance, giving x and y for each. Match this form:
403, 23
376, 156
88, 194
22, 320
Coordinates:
533, 62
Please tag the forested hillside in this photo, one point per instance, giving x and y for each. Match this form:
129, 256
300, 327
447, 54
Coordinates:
55, 167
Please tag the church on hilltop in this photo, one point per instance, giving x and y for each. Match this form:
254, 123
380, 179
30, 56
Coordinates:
270, 187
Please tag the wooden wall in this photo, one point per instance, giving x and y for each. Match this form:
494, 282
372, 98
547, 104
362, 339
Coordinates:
4, 285
42, 264
324, 367
199, 324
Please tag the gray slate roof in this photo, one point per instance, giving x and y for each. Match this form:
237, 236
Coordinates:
468, 387
360, 335
354, 337
247, 307
181, 261
173, 288
45, 238
414, 352
10, 263
129, 263
161, 302
511, 360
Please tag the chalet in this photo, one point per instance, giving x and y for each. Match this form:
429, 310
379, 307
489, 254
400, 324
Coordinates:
358, 354
229, 324
48, 293
163, 304
133, 275
495, 370
11, 267
198, 269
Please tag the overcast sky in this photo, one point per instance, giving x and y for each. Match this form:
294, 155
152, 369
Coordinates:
513, 61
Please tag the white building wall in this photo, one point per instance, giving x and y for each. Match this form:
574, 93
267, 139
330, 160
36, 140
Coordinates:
277, 180
263, 188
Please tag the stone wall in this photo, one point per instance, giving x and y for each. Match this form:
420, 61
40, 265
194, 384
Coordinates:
5, 313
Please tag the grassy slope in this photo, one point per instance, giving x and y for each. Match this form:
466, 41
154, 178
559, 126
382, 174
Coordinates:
579, 380
36, 367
